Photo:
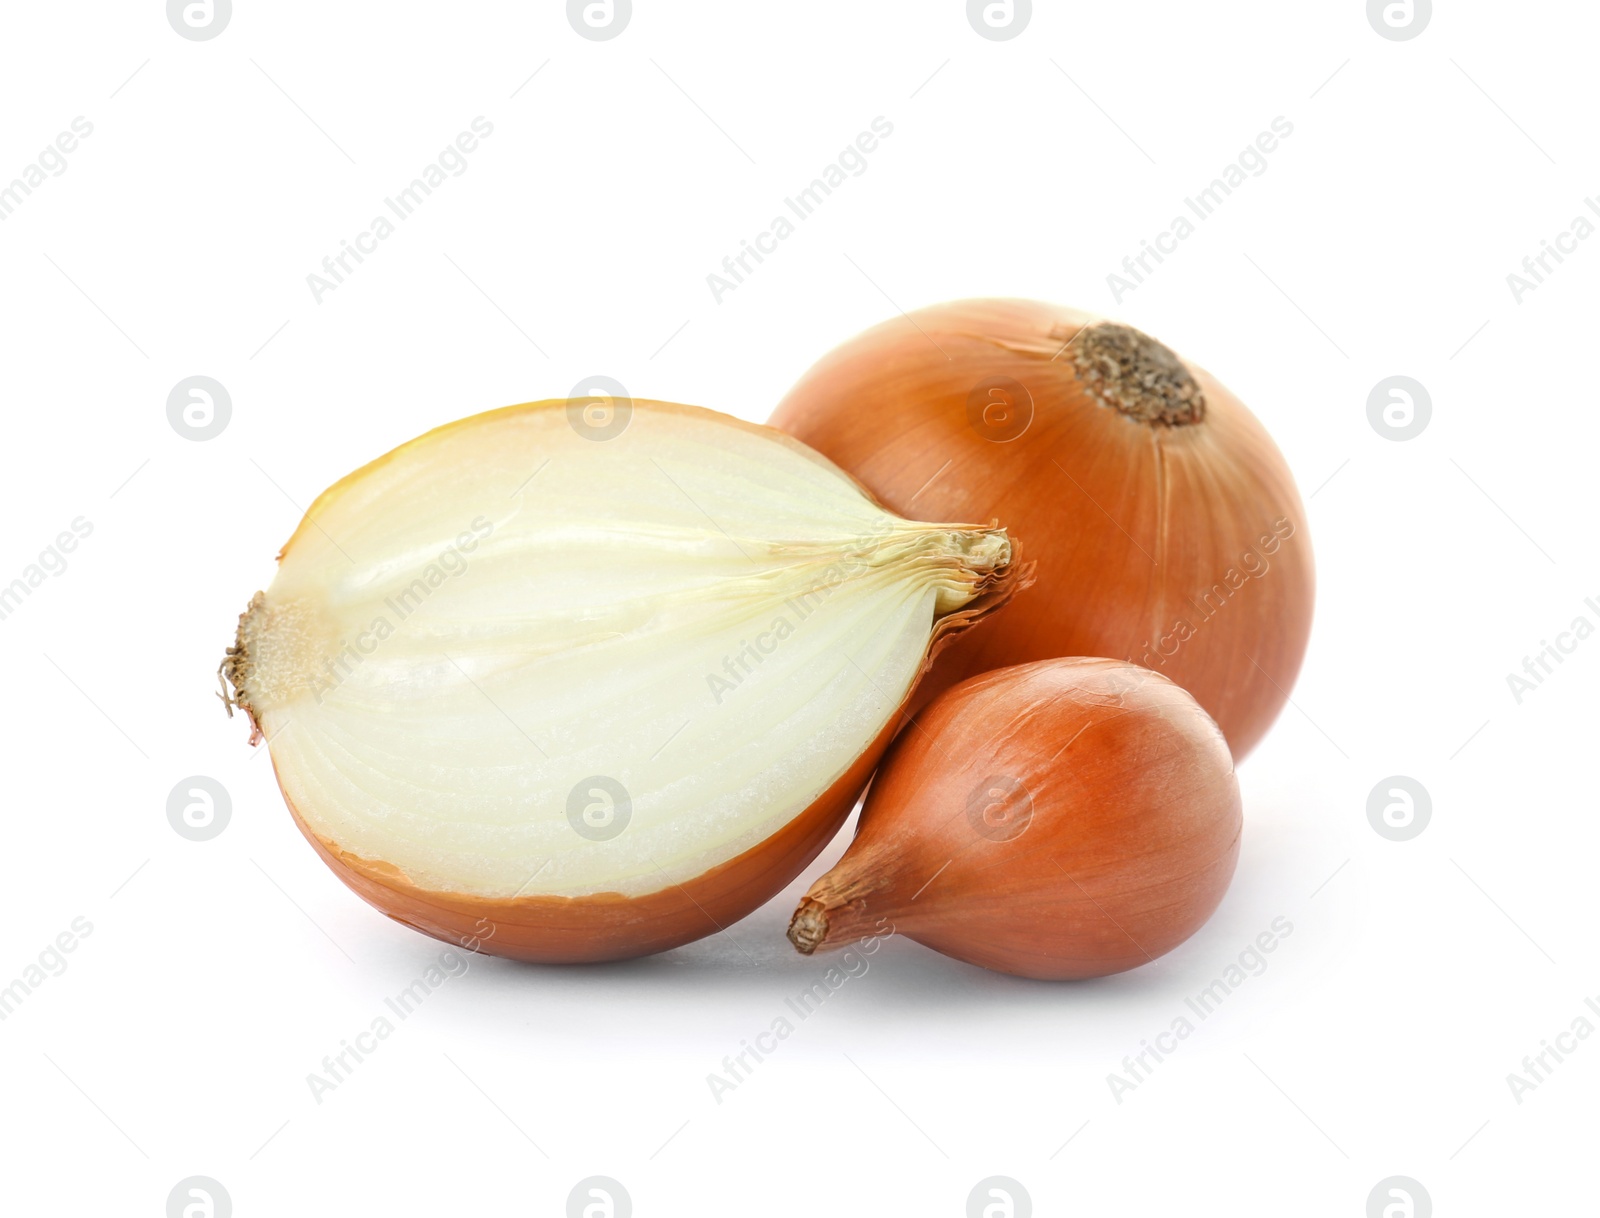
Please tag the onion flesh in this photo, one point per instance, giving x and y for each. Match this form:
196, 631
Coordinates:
509, 672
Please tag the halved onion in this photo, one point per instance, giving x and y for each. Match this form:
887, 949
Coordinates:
567, 693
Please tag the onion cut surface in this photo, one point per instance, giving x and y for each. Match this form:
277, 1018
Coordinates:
574, 698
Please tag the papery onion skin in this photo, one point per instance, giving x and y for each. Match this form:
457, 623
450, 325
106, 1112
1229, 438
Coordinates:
601, 926
1180, 545
1064, 819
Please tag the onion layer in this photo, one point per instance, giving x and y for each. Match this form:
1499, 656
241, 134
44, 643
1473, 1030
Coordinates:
1068, 818
1165, 523
567, 693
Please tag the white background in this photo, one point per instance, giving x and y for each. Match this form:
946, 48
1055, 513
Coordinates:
216, 978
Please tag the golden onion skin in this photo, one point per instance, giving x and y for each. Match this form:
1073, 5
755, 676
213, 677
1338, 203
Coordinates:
1060, 820
1180, 545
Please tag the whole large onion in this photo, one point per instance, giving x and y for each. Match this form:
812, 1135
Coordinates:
1166, 525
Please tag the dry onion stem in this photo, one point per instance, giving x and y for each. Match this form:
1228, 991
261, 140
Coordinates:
578, 699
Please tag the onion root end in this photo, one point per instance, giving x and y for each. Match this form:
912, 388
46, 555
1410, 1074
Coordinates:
808, 929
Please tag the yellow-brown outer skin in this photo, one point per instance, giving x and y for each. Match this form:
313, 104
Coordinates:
1132, 524
1131, 837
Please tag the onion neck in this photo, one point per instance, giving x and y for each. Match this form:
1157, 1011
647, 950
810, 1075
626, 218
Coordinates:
826, 922
850, 902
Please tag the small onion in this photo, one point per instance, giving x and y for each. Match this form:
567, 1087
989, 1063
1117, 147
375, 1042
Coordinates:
569, 691
1165, 523
1067, 818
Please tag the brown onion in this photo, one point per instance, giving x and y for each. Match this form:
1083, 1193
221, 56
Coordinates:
1069, 818
1166, 525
